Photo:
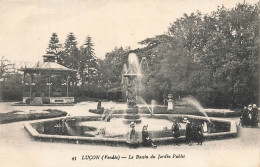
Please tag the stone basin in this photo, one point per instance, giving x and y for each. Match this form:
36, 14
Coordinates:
89, 129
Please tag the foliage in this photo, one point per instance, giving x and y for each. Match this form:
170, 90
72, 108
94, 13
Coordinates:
70, 55
55, 47
45, 100
6, 68
112, 67
213, 57
10, 81
87, 63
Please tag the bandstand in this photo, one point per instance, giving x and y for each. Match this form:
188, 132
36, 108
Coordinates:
48, 83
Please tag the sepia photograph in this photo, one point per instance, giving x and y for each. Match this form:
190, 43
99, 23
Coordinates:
91, 83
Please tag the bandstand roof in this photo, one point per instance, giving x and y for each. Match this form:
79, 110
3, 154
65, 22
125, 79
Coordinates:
48, 67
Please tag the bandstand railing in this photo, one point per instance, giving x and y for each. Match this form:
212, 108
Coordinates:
46, 94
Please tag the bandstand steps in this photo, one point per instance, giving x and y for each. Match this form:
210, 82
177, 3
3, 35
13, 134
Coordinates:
36, 101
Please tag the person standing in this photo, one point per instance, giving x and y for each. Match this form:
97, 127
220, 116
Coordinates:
200, 134
250, 112
193, 132
188, 132
176, 132
100, 109
132, 137
99, 104
254, 120
244, 117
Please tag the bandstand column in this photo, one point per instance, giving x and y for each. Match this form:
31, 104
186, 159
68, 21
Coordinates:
24, 84
67, 86
30, 84
49, 87
30, 90
73, 84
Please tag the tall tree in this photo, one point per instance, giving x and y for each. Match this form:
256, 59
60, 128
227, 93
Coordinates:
11, 87
70, 55
232, 53
6, 68
54, 47
88, 62
187, 30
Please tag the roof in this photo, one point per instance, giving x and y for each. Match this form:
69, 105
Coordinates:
48, 67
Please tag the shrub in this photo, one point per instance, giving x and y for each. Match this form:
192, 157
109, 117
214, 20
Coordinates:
46, 100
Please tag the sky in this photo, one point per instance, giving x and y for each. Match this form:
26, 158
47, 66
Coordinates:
27, 25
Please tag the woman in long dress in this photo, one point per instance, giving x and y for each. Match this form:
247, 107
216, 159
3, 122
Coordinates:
199, 134
176, 132
132, 136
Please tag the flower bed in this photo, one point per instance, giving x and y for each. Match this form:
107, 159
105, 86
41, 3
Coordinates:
15, 116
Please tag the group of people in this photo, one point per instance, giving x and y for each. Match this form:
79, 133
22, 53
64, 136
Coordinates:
146, 140
193, 132
249, 116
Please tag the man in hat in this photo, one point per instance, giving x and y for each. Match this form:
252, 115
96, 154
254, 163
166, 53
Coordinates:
147, 142
176, 132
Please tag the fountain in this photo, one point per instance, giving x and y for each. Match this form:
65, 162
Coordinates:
193, 102
152, 105
113, 127
146, 105
130, 85
197, 105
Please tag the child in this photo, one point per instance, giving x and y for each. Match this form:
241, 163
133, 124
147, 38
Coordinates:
147, 142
